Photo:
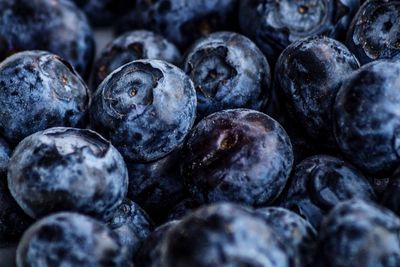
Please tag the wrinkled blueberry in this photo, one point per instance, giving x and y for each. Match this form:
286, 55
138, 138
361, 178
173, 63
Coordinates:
39, 90
132, 225
367, 118
228, 71
182, 21
67, 169
70, 240
309, 74
145, 108
129, 47
297, 232
224, 235
273, 25
182, 209
359, 234
237, 155
375, 31
319, 183
57, 26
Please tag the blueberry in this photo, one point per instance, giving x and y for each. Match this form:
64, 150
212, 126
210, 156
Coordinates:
149, 254
367, 118
132, 225
273, 25
182, 21
228, 71
39, 90
182, 209
145, 108
297, 232
375, 30
359, 234
67, 169
224, 235
237, 155
391, 196
157, 186
319, 183
70, 240
131, 46
57, 26
309, 74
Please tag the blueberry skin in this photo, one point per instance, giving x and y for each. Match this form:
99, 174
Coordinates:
157, 186
228, 71
132, 225
224, 235
296, 231
182, 21
375, 30
182, 209
237, 155
359, 234
145, 108
309, 73
273, 25
319, 183
13, 221
132, 46
366, 118
57, 26
390, 197
70, 240
39, 90
149, 254
67, 169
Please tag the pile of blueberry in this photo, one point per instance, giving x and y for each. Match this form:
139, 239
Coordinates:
208, 133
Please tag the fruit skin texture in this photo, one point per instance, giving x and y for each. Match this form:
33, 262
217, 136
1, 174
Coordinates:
319, 183
70, 240
237, 155
367, 118
374, 31
309, 73
57, 26
132, 46
67, 169
230, 235
39, 90
228, 71
359, 234
390, 196
145, 108
183, 208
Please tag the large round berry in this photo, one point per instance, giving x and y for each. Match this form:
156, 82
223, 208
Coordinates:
39, 90
367, 118
228, 71
57, 26
145, 108
67, 169
237, 155
70, 240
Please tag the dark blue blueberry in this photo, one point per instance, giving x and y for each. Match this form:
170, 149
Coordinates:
367, 118
132, 225
359, 234
391, 194
273, 25
228, 71
182, 209
224, 235
375, 31
182, 21
237, 155
57, 26
70, 240
39, 90
67, 169
309, 74
131, 46
319, 183
295, 231
145, 108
